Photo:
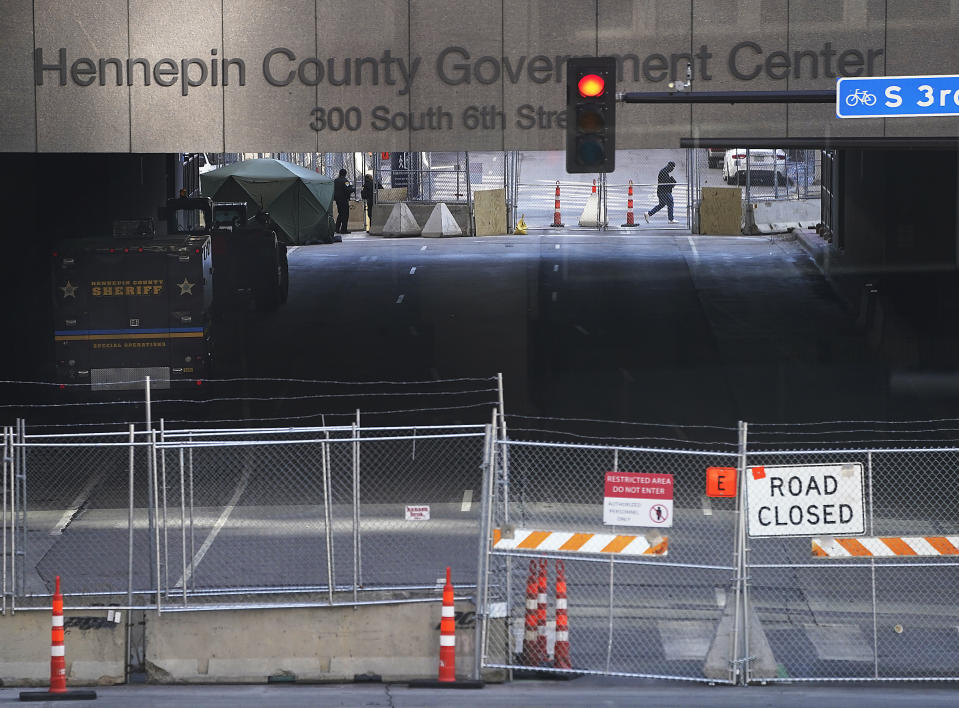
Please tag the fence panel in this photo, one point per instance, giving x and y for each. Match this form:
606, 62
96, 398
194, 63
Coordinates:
636, 615
852, 615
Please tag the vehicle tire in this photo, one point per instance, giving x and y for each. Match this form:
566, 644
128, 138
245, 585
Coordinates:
267, 291
284, 273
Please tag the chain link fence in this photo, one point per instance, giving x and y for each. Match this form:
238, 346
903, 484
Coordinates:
878, 606
348, 514
762, 174
649, 615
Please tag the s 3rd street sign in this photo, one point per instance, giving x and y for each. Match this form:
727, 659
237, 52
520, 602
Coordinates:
897, 96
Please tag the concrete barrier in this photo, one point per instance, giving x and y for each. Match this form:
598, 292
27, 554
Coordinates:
397, 642
93, 644
421, 212
778, 216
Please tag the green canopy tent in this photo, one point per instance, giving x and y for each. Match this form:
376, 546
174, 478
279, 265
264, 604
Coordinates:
298, 200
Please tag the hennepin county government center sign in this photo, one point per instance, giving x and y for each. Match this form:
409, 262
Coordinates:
453, 66
161, 76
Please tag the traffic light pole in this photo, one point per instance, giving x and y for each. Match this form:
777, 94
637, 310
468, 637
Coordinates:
810, 96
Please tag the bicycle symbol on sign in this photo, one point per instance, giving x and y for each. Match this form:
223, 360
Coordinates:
860, 96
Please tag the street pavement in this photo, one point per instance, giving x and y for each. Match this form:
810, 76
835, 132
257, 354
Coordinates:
583, 692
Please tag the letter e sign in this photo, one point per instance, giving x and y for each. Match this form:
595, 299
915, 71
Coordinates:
720, 481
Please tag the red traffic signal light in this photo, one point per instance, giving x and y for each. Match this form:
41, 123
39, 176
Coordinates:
591, 114
591, 86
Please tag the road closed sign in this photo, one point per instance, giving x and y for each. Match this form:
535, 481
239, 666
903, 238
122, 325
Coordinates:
631, 499
805, 500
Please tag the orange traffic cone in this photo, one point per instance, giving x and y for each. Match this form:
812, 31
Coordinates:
532, 605
447, 672
58, 663
557, 219
448, 634
629, 206
541, 653
561, 650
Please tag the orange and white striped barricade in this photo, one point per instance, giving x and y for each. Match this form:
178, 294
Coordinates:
58, 663
885, 546
573, 542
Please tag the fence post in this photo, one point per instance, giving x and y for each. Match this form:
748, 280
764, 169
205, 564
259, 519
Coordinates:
20, 476
482, 564
328, 515
4, 451
739, 668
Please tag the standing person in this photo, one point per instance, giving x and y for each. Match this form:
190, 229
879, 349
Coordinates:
342, 189
367, 194
664, 191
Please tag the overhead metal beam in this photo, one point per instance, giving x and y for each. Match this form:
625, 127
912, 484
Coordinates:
828, 143
809, 96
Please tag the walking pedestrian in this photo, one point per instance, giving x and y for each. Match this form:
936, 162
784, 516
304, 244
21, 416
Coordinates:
342, 189
367, 194
664, 191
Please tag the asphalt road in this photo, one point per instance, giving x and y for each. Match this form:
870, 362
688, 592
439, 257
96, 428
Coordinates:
612, 693
655, 327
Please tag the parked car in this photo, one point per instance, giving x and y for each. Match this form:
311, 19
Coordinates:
714, 156
764, 164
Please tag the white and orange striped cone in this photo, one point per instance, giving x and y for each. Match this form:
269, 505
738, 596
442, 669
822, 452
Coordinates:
447, 669
529, 635
541, 609
58, 663
561, 649
557, 219
448, 634
629, 206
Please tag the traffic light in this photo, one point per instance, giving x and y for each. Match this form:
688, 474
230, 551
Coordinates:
591, 114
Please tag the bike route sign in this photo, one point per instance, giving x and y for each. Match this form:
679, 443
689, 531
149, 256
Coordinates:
897, 96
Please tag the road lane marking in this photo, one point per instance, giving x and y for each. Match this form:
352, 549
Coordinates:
582, 330
423, 248
467, 500
292, 250
412, 270
692, 245
220, 523
557, 246
556, 268
400, 299
555, 295
75, 505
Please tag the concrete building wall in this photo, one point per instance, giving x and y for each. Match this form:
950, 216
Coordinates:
399, 75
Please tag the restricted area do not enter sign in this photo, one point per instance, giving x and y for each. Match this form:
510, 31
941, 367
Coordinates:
632, 499
805, 500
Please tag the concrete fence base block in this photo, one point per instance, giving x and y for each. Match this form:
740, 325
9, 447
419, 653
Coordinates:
780, 216
398, 642
720, 656
93, 656
592, 213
